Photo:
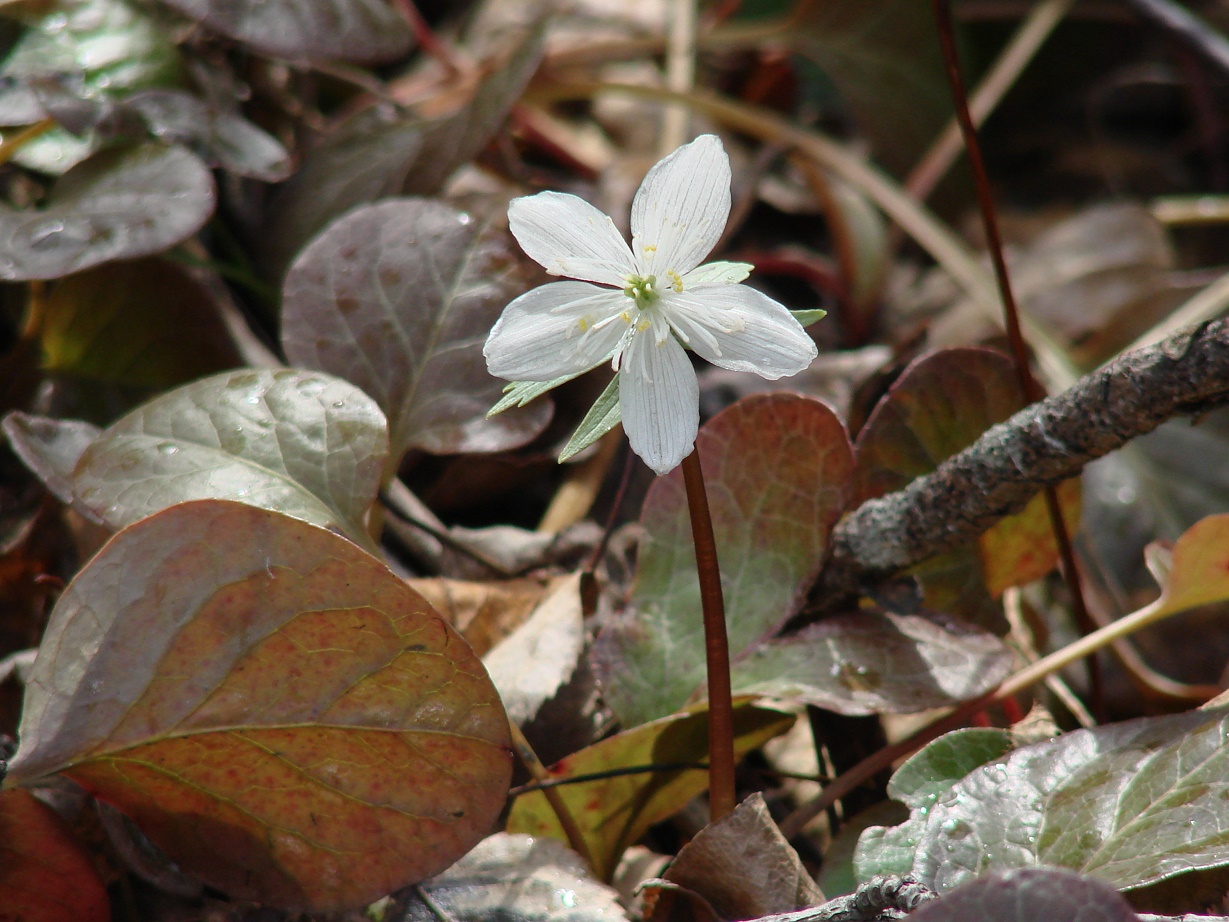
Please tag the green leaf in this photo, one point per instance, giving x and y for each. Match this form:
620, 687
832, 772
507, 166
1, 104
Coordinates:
271, 705
519, 393
614, 812
297, 442
603, 416
918, 784
1129, 804
806, 318
398, 298
119, 204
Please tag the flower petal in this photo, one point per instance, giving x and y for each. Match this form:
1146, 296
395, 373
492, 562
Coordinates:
568, 236
718, 273
556, 330
739, 328
660, 400
681, 208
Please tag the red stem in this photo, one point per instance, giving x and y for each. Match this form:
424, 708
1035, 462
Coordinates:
716, 645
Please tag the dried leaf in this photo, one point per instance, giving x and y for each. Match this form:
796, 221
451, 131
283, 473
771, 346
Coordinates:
614, 812
518, 879
744, 867
297, 442
531, 664
118, 204
271, 706
398, 298
46, 874
144, 323
307, 30
484, 613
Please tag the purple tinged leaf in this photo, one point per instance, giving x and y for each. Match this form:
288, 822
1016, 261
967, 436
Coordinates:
398, 298
365, 31
1029, 895
777, 468
119, 204
297, 442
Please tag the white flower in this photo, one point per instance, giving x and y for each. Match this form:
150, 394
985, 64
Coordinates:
648, 302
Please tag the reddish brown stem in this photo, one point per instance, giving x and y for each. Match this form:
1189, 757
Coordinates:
716, 645
1028, 384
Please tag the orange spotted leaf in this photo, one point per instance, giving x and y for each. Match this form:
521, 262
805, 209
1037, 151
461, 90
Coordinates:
45, 872
271, 705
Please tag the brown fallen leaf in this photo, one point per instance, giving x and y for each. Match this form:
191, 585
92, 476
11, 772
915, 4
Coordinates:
484, 613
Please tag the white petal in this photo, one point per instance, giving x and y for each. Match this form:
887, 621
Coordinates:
718, 273
681, 208
660, 401
555, 330
739, 328
568, 236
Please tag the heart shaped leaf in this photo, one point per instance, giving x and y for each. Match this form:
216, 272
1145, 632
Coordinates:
118, 204
777, 468
46, 874
613, 812
271, 705
399, 298
297, 442
307, 30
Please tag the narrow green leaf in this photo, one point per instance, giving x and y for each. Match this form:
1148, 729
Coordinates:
519, 393
806, 318
603, 416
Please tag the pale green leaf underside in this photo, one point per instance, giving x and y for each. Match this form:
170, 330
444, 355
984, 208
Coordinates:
603, 416
806, 318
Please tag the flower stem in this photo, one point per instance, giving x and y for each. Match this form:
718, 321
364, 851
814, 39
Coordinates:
716, 645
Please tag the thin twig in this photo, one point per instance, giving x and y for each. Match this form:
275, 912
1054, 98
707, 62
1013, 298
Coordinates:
716, 645
538, 772
680, 71
1184, 24
1046, 442
1011, 316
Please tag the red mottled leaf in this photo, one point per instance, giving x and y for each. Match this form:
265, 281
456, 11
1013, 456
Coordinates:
1029, 895
777, 468
398, 298
272, 706
45, 872
614, 812
939, 406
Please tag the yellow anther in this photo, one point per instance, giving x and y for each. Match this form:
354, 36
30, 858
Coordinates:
583, 323
676, 280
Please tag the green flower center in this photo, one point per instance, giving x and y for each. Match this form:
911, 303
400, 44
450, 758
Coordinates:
642, 290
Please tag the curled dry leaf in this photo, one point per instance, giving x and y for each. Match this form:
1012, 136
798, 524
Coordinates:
119, 204
398, 298
298, 442
271, 705
743, 867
